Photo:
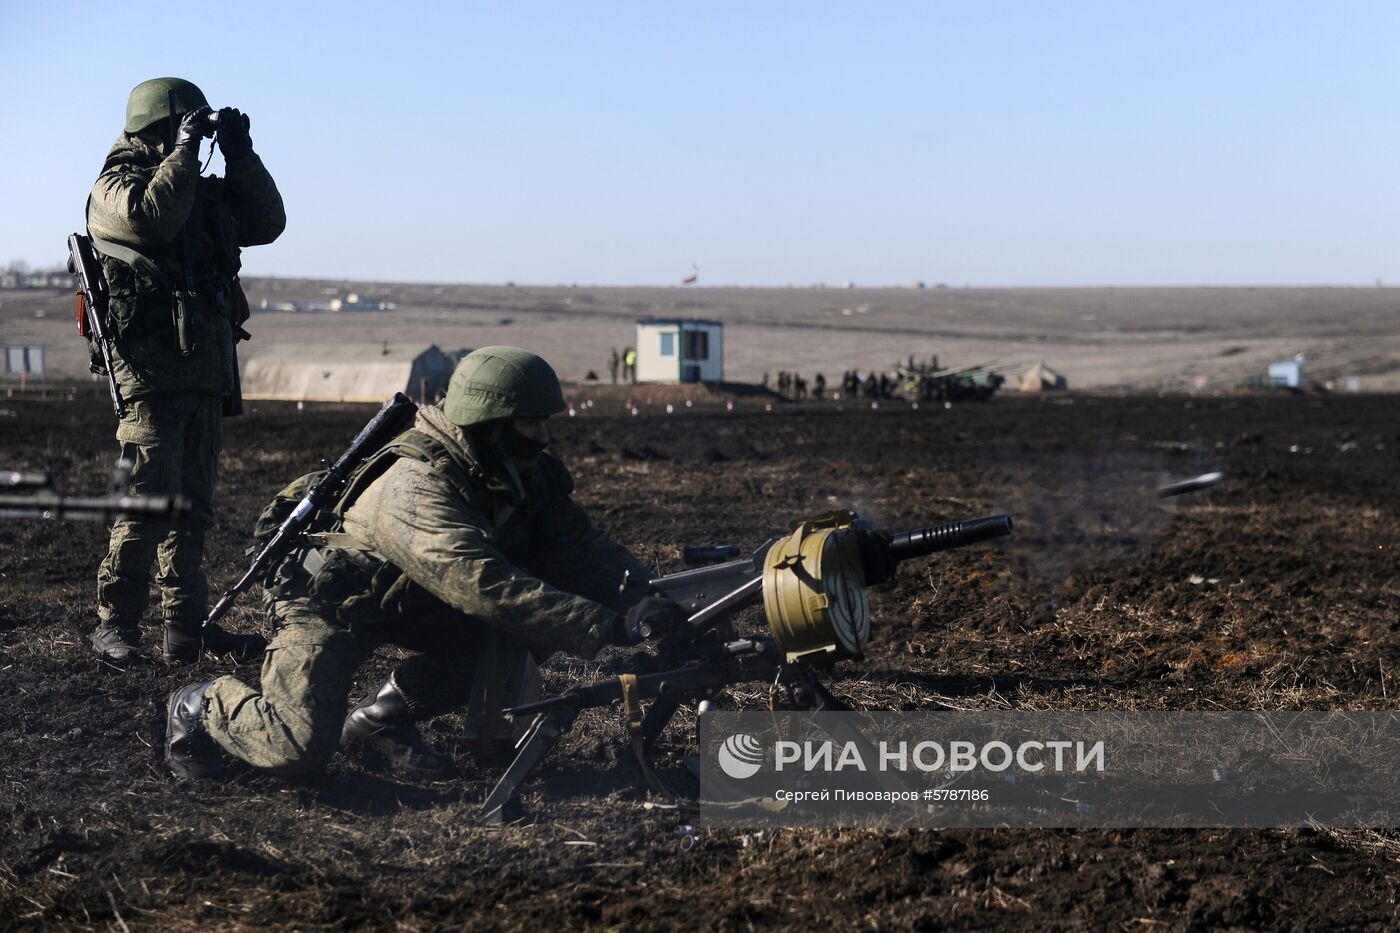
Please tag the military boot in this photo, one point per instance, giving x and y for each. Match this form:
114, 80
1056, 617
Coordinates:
120, 644
185, 638
385, 725
190, 752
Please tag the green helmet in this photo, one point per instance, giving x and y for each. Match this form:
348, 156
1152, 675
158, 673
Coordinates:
150, 101
502, 382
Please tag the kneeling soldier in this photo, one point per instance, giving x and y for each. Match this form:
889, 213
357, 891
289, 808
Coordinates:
459, 541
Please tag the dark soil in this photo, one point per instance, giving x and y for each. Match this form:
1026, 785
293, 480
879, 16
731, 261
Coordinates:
1277, 590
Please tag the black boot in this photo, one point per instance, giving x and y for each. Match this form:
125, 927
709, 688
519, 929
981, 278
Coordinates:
386, 726
120, 644
184, 639
189, 750
237, 645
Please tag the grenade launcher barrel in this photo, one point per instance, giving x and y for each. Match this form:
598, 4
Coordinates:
920, 542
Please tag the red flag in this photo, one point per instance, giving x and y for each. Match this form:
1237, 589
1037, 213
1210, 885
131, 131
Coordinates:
690, 279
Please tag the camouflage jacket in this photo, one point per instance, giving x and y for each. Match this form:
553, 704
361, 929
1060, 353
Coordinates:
141, 200
499, 546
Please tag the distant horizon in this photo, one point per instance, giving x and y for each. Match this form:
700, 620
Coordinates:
58, 268
826, 286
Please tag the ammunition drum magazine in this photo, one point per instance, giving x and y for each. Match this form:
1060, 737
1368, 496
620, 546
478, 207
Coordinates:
814, 591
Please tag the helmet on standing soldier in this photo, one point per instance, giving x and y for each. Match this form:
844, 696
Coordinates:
150, 102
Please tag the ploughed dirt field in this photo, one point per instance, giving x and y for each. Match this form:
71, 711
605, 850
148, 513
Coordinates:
1277, 590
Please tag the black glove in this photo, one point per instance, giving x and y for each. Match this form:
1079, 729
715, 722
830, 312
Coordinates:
876, 561
194, 126
233, 138
656, 619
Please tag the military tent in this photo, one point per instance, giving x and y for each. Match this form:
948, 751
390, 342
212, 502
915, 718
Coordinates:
1041, 378
370, 372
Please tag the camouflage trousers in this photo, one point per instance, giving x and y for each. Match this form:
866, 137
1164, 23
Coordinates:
173, 442
291, 725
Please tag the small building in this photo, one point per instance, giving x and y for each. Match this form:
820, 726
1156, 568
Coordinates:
24, 362
355, 302
370, 372
1287, 374
1041, 378
680, 350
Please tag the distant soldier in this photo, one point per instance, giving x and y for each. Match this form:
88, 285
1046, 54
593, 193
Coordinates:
614, 361
169, 242
461, 542
629, 364
818, 386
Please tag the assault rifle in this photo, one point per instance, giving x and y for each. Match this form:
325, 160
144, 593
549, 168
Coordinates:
811, 584
390, 421
43, 501
92, 309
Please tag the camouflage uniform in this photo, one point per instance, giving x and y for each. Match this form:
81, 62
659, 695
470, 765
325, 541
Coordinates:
459, 541
171, 431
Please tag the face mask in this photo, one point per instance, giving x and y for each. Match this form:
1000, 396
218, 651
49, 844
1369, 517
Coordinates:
519, 447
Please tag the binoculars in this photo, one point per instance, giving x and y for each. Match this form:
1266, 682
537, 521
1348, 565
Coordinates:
210, 122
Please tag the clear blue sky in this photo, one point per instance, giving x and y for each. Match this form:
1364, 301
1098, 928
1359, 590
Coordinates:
1011, 143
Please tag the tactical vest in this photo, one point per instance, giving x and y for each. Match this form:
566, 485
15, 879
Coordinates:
366, 592
142, 285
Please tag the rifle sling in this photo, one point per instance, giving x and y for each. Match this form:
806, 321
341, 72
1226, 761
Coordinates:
142, 264
340, 540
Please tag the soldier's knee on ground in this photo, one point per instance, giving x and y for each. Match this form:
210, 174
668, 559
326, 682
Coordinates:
286, 737
292, 726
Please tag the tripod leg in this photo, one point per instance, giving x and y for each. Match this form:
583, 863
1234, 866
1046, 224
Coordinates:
542, 735
808, 693
658, 716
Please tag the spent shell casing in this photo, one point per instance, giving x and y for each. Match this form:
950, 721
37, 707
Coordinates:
1193, 484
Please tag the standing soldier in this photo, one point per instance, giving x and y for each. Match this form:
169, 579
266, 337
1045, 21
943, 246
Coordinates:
169, 242
614, 361
818, 386
629, 364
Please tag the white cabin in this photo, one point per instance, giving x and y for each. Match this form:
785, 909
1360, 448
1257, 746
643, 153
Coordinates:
1286, 373
680, 350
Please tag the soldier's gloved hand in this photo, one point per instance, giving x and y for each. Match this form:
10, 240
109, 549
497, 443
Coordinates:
876, 560
233, 138
194, 126
655, 619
